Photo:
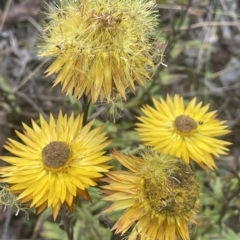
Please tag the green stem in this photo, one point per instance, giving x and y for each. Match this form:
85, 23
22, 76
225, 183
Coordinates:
67, 223
85, 109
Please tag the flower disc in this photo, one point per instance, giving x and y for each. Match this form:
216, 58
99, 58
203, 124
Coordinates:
56, 162
188, 133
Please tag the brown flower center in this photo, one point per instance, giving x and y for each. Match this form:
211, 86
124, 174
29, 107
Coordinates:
176, 194
185, 125
55, 154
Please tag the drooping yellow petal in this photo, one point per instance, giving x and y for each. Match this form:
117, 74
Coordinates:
161, 205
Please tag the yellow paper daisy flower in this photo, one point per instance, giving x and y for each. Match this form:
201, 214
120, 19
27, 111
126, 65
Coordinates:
188, 133
159, 194
99, 48
56, 162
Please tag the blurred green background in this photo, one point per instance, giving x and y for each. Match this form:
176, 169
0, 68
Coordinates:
200, 58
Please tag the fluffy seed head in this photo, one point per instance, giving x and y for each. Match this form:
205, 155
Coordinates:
159, 192
99, 48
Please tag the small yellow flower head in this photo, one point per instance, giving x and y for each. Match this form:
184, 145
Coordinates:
160, 194
188, 133
58, 161
99, 47
112, 110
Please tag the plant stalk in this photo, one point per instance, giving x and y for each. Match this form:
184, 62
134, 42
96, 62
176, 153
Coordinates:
67, 223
